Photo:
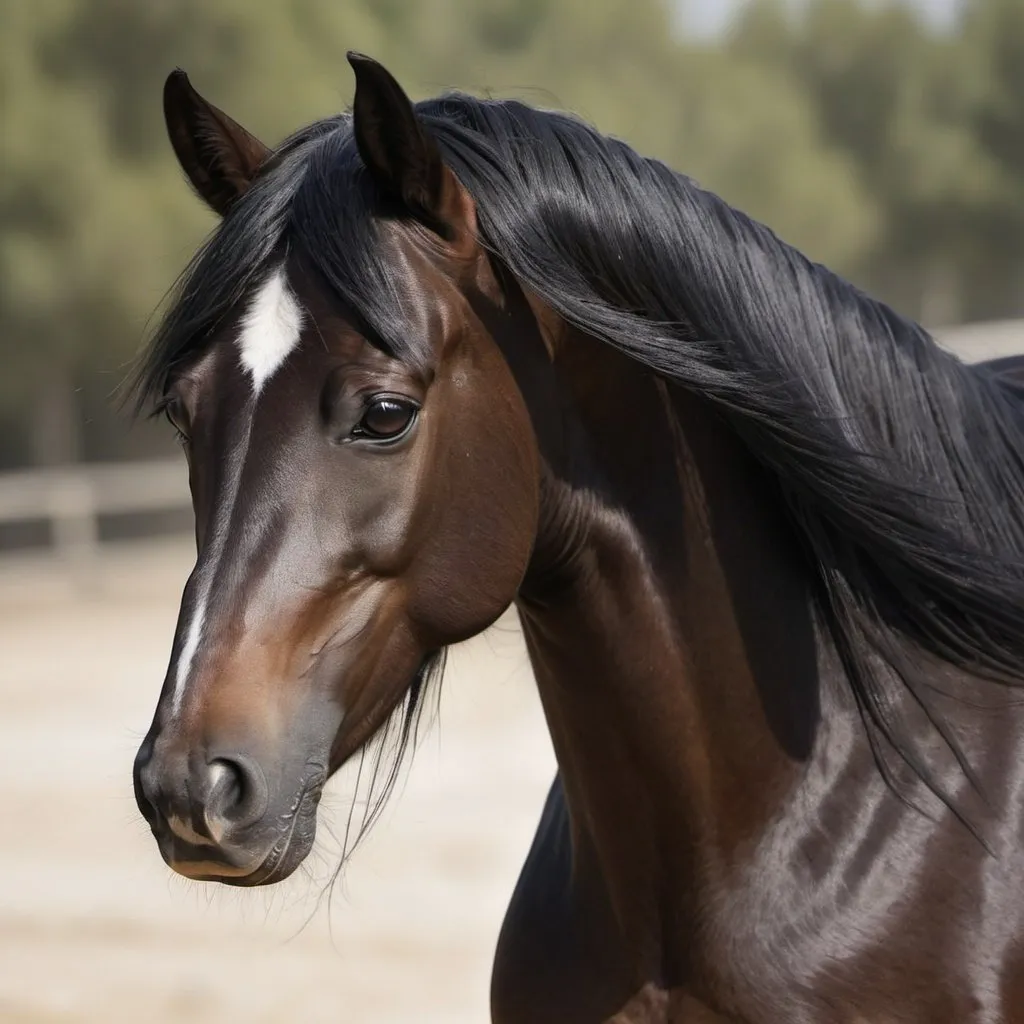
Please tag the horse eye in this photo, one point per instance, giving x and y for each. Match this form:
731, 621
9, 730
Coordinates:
385, 419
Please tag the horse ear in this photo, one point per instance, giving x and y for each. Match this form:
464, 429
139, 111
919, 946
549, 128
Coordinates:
402, 156
217, 154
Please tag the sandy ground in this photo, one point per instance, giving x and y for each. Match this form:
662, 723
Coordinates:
94, 928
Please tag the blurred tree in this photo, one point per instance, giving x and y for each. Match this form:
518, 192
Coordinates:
992, 76
893, 95
752, 136
75, 268
887, 149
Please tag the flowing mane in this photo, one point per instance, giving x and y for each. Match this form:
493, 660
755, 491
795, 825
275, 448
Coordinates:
900, 466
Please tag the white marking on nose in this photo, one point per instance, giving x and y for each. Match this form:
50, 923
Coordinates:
270, 329
215, 826
188, 652
184, 831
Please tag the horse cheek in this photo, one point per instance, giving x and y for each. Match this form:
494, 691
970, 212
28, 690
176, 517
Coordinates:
482, 536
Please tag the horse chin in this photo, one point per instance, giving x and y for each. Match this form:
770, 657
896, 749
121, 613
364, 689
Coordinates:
278, 866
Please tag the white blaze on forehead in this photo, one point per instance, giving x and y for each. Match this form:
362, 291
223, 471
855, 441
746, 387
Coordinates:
270, 329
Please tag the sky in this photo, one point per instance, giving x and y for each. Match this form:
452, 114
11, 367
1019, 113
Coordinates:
710, 16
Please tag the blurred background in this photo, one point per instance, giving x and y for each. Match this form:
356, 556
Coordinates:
884, 139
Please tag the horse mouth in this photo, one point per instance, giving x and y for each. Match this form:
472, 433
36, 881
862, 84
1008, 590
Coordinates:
294, 843
295, 833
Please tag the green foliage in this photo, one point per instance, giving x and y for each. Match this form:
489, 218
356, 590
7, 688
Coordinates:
890, 150
906, 104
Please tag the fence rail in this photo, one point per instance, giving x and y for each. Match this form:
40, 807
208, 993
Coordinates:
72, 499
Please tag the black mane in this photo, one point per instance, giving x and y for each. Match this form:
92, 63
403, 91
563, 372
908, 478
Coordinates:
899, 465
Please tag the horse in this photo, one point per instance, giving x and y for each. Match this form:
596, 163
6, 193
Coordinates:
763, 535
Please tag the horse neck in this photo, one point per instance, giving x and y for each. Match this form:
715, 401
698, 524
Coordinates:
669, 627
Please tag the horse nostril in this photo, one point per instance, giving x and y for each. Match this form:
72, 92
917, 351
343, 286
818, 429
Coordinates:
236, 794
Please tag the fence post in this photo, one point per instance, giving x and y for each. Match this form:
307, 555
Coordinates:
74, 524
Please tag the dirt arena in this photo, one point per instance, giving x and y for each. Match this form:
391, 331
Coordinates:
93, 927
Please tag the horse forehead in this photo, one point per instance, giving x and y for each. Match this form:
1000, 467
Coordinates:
270, 329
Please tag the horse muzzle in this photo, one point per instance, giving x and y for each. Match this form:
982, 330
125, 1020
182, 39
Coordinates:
220, 816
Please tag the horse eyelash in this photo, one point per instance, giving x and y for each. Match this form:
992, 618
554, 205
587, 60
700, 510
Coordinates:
160, 409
